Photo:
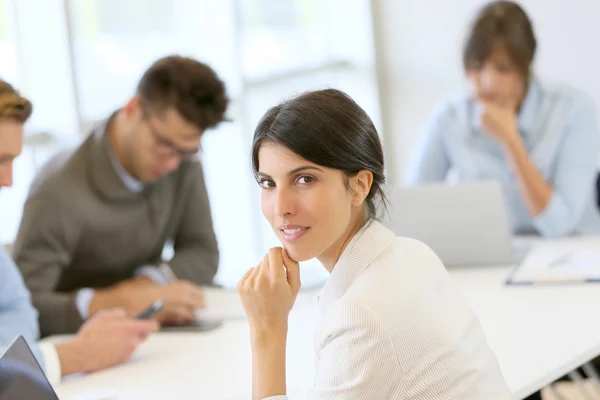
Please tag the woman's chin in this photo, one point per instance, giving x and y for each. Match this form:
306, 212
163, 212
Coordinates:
298, 255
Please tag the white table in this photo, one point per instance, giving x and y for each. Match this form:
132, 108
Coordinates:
537, 333
208, 365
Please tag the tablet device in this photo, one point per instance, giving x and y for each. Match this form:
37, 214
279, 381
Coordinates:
21, 377
197, 326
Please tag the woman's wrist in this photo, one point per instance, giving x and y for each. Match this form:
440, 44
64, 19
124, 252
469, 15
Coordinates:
269, 335
513, 144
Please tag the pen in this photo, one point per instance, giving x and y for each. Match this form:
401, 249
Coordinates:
563, 258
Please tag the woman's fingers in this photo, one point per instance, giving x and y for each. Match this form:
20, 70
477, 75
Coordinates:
276, 269
292, 268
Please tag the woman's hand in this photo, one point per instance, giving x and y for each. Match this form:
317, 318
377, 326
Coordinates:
268, 291
499, 122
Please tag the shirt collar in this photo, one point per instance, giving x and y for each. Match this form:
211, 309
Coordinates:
129, 181
364, 248
104, 174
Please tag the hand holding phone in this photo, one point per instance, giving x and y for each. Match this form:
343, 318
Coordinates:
157, 306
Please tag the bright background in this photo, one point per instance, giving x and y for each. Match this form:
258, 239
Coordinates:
397, 58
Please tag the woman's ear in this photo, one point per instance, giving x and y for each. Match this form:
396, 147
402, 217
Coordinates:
361, 186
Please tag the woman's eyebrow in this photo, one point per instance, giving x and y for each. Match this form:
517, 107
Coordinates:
294, 171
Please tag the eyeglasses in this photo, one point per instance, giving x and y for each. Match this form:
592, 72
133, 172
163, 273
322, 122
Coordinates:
166, 147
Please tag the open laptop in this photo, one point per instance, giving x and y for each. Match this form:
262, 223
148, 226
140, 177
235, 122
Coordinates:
21, 377
466, 224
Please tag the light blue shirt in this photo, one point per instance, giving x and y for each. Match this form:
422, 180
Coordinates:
17, 314
560, 131
84, 296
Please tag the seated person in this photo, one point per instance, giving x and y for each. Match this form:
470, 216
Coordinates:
106, 340
393, 325
97, 218
539, 140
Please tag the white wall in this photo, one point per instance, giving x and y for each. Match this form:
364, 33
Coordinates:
419, 47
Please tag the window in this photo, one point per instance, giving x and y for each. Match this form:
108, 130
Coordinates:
9, 70
111, 49
281, 36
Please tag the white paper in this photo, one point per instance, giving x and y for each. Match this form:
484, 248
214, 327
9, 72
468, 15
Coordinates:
561, 260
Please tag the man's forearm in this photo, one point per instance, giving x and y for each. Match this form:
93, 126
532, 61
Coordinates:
268, 363
536, 191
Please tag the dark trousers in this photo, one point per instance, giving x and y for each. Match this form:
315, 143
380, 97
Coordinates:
535, 396
595, 363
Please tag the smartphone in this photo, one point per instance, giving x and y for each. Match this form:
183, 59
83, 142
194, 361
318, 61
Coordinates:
153, 309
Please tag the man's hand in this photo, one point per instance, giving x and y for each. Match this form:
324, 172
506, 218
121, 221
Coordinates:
182, 298
106, 340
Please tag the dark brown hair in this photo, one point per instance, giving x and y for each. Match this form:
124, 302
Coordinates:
328, 128
506, 23
187, 85
13, 105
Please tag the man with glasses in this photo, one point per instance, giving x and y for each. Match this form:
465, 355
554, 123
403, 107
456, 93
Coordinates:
97, 218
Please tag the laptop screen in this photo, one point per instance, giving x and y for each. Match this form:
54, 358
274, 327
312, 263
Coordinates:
21, 377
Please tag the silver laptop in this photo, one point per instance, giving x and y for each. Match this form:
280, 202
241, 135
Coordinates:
466, 224
21, 377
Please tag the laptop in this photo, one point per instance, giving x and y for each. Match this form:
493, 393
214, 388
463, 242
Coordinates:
21, 377
466, 224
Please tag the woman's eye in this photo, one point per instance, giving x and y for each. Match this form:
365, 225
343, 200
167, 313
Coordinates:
305, 179
266, 183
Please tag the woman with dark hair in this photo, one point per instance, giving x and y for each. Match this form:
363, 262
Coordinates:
393, 326
540, 141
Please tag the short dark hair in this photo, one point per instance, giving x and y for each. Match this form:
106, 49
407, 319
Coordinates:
328, 128
503, 22
13, 105
189, 86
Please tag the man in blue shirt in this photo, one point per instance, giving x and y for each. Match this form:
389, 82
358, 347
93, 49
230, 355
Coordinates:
104, 341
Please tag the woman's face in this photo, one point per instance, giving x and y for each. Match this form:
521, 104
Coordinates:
309, 207
497, 80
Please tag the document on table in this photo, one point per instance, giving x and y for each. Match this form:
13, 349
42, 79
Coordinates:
560, 261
